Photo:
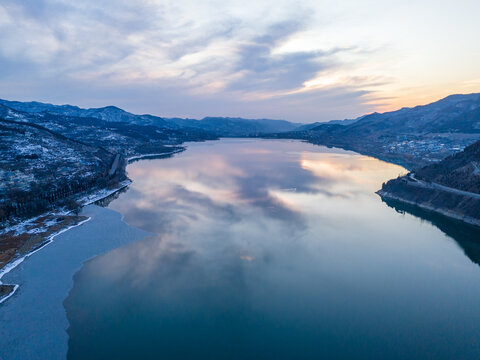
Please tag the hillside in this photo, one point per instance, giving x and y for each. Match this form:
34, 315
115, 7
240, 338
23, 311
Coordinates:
125, 138
450, 187
460, 171
47, 159
218, 126
231, 127
412, 137
315, 125
39, 167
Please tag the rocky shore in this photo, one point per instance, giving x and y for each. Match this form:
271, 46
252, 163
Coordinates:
450, 187
453, 205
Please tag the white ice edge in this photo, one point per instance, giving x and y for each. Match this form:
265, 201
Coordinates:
84, 201
10, 295
14, 264
102, 194
131, 158
91, 198
87, 200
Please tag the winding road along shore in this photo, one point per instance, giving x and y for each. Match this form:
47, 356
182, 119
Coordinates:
435, 186
433, 197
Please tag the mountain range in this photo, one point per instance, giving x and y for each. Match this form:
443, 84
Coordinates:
412, 137
220, 126
82, 143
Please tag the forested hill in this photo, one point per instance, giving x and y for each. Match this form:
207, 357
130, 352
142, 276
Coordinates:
39, 167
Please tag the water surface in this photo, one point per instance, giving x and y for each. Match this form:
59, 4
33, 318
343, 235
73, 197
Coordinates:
274, 250
33, 322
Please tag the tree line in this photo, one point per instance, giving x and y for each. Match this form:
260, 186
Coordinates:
41, 198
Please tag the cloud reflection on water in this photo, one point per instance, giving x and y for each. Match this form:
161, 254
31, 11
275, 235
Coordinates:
244, 191
237, 182
268, 247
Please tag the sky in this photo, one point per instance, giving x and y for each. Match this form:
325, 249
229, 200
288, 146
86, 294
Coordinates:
302, 61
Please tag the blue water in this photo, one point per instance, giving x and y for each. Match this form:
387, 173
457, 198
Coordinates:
33, 322
257, 249
274, 250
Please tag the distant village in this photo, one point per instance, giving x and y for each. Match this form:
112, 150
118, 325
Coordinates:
430, 150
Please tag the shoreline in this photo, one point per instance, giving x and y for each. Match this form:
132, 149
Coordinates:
12, 265
46, 280
384, 194
450, 214
153, 155
101, 194
104, 193
86, 200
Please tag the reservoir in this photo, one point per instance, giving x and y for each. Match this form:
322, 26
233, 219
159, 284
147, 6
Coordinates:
267, 249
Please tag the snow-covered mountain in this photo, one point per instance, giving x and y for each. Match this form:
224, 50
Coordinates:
221, 126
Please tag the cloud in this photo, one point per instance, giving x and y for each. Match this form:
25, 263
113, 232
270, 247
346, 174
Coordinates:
263, 70
171, 58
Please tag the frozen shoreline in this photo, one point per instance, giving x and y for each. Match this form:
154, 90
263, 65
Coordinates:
86, 200
99, 195
34, 322
10, 266
146, 156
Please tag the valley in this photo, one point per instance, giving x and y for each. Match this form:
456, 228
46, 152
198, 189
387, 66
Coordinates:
56, 158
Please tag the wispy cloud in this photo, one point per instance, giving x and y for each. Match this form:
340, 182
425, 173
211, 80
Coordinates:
213, 58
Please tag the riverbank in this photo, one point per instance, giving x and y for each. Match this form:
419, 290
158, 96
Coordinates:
8, 290
34, 323
375, 150
450, 202
41, 285
27, 237
154, 155
448, 213
234, 248
456, 206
